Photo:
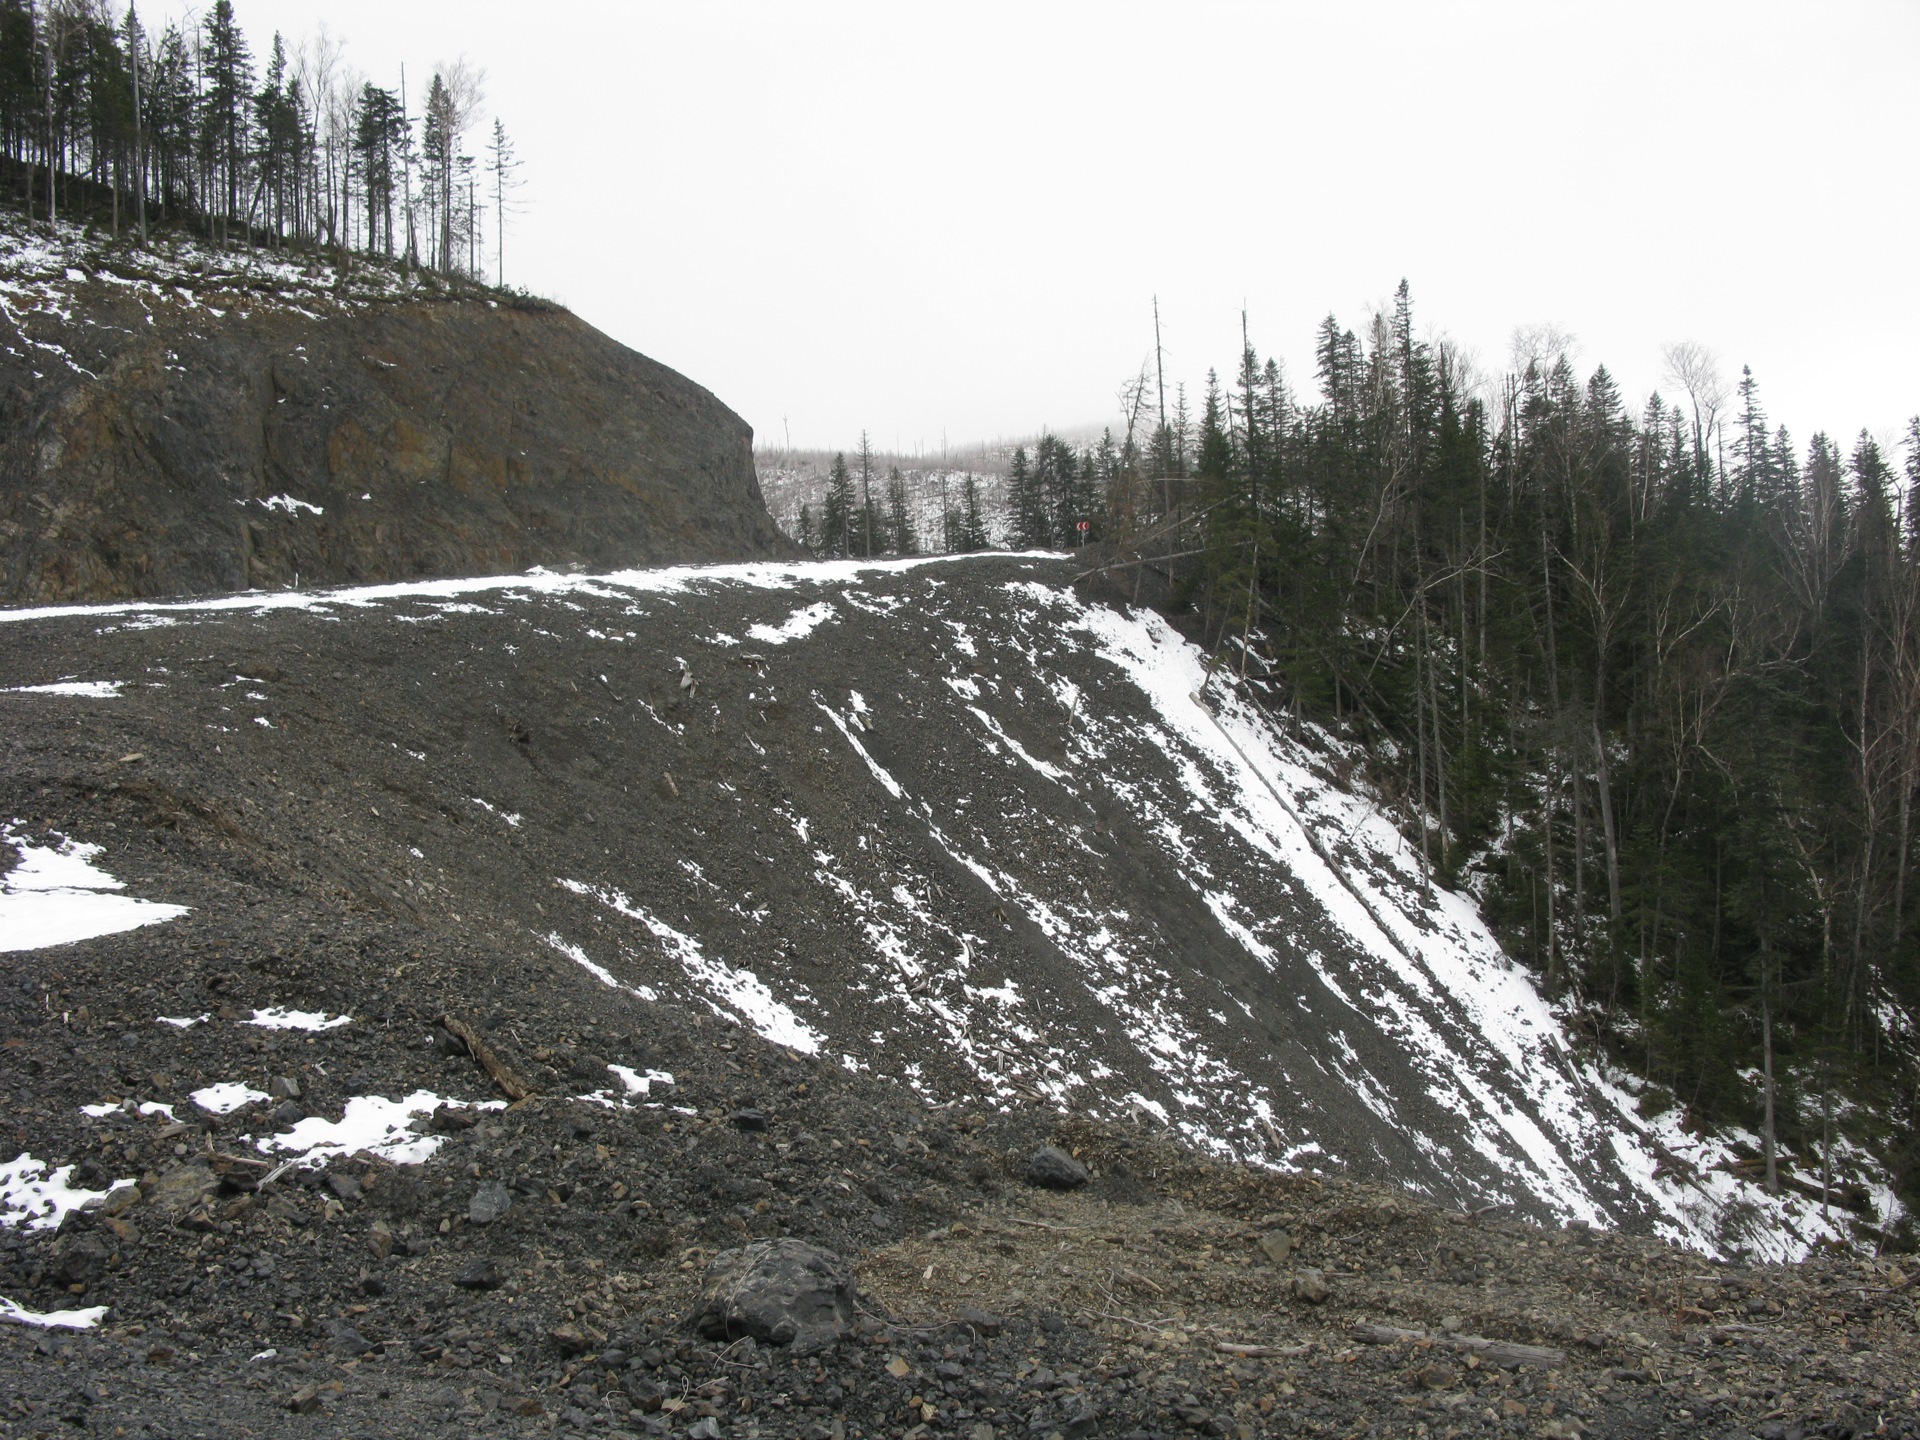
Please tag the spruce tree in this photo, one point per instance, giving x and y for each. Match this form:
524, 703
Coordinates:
837, 517
900, 537
973, 522
868, 520
228, 95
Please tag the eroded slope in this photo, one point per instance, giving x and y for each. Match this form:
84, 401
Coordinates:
943, 823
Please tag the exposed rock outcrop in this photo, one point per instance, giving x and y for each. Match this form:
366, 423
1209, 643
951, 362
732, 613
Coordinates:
192, 423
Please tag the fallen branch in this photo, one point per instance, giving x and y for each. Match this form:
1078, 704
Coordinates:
1129, 1320
1504, 1353
1042, 1225
511, 1085
1260, 1352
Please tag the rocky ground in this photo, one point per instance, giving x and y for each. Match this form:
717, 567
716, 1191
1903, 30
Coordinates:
526, 1251
1169, 1296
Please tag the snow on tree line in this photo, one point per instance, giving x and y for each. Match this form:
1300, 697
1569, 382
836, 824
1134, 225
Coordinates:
102, 118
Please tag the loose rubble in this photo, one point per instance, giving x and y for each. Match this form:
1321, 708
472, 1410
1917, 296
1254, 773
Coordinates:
483, 1261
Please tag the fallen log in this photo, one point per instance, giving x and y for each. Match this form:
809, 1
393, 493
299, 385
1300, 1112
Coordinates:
1259, 1352
1504, 1353
511, 1085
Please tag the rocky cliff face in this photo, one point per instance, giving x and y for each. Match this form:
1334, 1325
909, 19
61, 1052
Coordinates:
189, 423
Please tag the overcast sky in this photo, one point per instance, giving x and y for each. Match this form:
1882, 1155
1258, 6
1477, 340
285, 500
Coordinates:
950, 221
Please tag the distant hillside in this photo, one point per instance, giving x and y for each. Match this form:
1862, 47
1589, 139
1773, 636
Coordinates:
189, 421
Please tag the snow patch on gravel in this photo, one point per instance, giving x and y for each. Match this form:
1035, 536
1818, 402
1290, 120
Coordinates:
52, 1319
736, 992
34, 1195
145, 1107
78, 689
227, 1097
57, 895
797, 626
275, 1018
372, 1123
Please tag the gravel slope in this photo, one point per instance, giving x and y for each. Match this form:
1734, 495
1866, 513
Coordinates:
913, 860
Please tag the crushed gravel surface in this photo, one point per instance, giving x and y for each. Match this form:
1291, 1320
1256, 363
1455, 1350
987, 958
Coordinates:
464, 1262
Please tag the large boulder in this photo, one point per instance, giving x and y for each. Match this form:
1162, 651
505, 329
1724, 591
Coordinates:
786, 1292
1052, 1168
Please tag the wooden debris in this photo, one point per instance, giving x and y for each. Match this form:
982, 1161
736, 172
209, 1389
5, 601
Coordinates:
1504, 1353
511, 1085
1259, 1352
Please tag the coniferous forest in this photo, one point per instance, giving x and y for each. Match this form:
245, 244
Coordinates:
104, 121
1646, 680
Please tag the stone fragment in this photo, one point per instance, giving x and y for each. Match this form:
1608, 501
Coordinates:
1052, 1168
181, 1187
120, 1200
784, 1291
1277, 1245
986, 1323
489, 1203
748, 1118
1311, 1286
480, 1274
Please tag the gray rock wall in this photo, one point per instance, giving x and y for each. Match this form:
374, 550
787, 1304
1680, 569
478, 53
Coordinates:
155, 437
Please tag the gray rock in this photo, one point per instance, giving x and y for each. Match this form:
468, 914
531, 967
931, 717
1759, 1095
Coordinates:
489, 1203
1311, 1286
78, 1259
288, 1112
984, 1322
481, 1274
748, 1119
179, 1189
1052, 1168
784, 1291
122, 1199
284, 1087
624, 461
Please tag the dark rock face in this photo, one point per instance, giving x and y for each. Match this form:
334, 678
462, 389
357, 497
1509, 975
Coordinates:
785, 1291
419, 436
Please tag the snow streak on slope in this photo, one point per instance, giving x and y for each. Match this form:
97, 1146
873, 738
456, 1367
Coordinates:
955, 825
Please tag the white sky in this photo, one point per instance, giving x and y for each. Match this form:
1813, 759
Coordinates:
932, 221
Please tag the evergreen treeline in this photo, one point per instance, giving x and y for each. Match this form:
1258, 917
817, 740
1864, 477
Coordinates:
1649, 684
100, 116
1055, 497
